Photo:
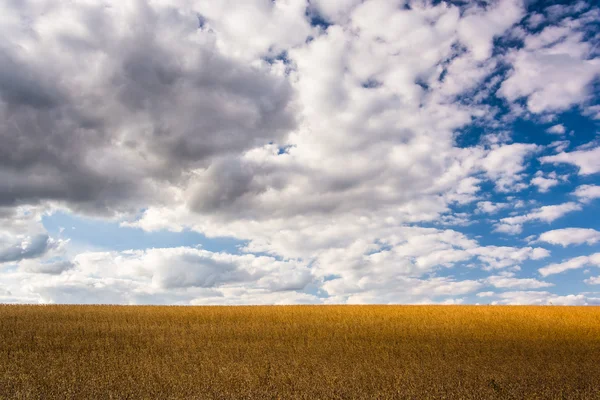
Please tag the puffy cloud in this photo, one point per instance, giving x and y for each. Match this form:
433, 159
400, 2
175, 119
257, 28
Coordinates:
595, 280
588, 161
252, 29
557, 129
544, 184
489, 208
406, 290
25, 248
556, 55
573, 263
587, 192
504, 282
505, 164
478, 28
335, 10
544, 298
154, 98
568, 236
52, 267
324, 149
180, 274
544, 214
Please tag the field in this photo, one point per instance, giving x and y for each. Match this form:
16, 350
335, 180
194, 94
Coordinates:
308, 352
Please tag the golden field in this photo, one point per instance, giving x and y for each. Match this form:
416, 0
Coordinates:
299, 352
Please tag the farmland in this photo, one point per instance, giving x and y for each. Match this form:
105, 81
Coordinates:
304, 352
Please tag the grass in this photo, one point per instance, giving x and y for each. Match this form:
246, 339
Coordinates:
304, 352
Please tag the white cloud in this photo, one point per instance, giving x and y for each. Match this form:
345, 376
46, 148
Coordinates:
489, 207
505, 165
587, 193
504, 282
544, 298
595, 280
559, 145
573, 263
323, 150
255, 28
182, 274
568, 236
478, 28
335, 10
550, 59
544, 184
588, 161
544, 214
557, 129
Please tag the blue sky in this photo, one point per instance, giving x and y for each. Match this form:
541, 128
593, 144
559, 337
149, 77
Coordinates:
291, 152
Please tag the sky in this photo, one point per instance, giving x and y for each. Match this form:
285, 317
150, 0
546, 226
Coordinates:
299, 152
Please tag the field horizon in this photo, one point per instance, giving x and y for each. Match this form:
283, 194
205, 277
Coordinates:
300, 352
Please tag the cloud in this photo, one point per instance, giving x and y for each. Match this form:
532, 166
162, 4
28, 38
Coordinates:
53, 268
25, 248
568, 236
587, 193
490, 208
595, 280
544, 214
544, 298
573, 263
505, 164
180, 275
478, 28
588, 161
510, 282
557, 129
544, 184
155, 99
556, 55
345, 143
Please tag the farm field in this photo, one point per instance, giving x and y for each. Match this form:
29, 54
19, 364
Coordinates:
299, 352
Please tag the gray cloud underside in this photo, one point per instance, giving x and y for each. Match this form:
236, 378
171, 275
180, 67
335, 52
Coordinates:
321, 148
99, 114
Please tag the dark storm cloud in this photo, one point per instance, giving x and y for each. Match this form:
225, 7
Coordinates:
98, 110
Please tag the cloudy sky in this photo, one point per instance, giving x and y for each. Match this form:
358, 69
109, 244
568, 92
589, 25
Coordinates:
295, 151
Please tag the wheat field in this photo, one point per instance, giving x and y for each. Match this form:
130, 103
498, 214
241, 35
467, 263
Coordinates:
299, 352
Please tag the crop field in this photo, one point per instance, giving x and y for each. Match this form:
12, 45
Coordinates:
299, 352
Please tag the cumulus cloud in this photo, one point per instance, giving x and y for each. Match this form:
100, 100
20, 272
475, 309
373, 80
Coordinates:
509, 281
587, 193
558, 54
25, 248
544, 298
557, 129
505, 164
588, 161
154, 98
595, 280
52, 267
573, 263
489, 207
544, 184
339, 141
544, 214
568, 236
181, 274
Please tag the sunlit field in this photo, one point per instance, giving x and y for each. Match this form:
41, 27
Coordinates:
305, 352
